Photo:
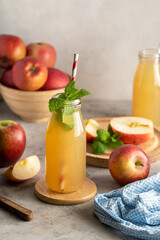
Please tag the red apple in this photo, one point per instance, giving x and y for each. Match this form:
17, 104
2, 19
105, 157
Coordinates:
12, 142
12, 49
29, 74
43, 51
56, 79
24, 169
128, 163
133, 130
91, 129
7, 78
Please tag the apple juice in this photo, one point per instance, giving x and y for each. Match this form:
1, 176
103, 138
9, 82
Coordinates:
66, 149
146, 87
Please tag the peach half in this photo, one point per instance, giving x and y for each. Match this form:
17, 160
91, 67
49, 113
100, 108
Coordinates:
24, 169
133, 130
91, 129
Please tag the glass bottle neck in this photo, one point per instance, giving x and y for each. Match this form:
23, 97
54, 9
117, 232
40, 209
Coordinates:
74, 104
149, 55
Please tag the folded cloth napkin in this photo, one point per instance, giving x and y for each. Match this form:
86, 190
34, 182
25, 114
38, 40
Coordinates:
133, 209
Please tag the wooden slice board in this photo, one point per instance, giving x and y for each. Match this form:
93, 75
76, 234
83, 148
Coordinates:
84, 194
151, 147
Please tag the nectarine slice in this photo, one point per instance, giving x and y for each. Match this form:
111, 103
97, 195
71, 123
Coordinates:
24, 169
133, 130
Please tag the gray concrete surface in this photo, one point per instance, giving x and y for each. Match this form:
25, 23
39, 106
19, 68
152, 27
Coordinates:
51, 221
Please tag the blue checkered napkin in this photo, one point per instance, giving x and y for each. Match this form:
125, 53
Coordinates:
133, 209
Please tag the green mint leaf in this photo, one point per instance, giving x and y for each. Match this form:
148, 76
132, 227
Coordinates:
69, 88
68, 120
68, 110
65, 119
110, 130
115, 137
58, 116
55, 104
80, 94
72, 94
62, 96
63, 105
67, 116
98, 147
116, 144
103, 135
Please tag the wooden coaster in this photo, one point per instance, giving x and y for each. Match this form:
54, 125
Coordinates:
151, 147
84, 194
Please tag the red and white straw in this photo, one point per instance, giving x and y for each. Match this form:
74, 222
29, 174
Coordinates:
74, 69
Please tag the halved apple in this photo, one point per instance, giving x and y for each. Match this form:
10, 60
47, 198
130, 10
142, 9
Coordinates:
91, 129
133, 130
24, 169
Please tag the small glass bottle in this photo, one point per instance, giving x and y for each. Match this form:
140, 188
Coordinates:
66, 149
146, 87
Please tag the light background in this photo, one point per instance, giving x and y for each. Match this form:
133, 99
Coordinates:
106, 33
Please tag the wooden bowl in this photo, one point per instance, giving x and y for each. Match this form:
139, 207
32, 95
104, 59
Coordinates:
31, 106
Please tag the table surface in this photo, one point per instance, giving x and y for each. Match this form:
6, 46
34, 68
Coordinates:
51, 221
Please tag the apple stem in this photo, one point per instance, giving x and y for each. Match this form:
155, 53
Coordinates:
33, 70
139, 164
4, 60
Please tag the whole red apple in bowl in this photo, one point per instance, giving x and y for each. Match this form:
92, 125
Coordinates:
128, 163
56, 79
29, 74
12, 49
6, 78
43, 51
12, 142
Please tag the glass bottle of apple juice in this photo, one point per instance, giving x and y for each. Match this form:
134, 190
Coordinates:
146, 87
66, 147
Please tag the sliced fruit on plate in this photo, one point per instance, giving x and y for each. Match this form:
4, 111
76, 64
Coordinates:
24, 169
133, 130
91, 129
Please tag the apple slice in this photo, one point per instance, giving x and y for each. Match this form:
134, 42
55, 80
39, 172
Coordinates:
24, 169
91, 129
133, 130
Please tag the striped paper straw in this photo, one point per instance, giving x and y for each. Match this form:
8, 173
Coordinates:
74, 69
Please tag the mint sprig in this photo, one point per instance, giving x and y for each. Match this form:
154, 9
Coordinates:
110, 130
55, 104
65, 110
103, 136
81, 93
70, 94
98, 147
106, 139
114, 145
70, 88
